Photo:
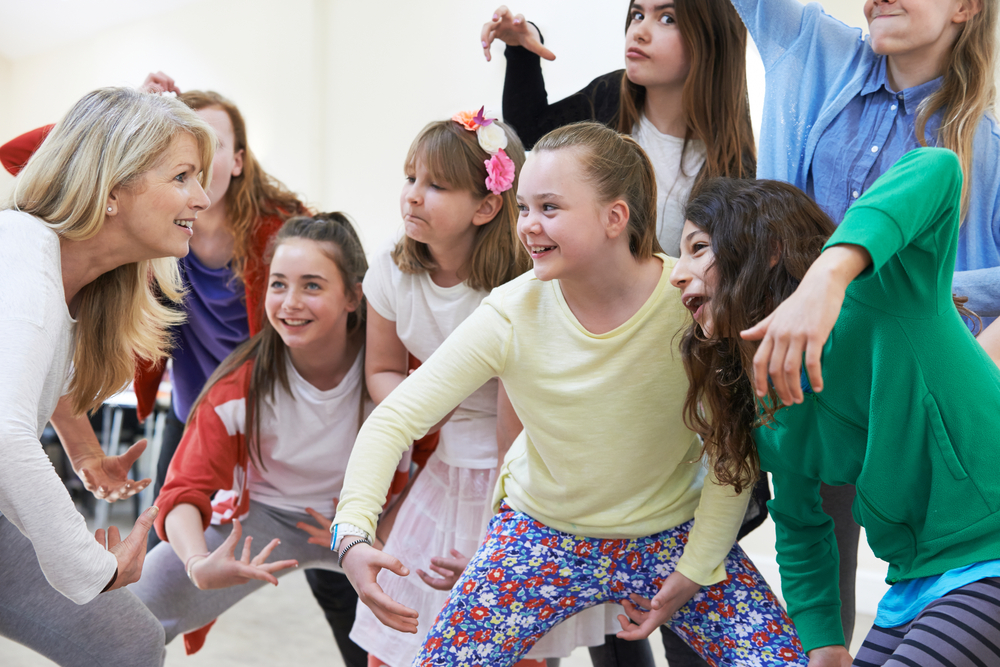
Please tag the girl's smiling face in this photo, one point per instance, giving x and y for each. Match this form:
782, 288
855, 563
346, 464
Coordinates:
695, 276
307, 302
560, 219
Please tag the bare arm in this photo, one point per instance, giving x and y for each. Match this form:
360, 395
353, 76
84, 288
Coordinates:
220, 568
508, 426
385, 357
107, 477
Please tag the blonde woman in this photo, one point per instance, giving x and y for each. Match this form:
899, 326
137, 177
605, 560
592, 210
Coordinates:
113, 191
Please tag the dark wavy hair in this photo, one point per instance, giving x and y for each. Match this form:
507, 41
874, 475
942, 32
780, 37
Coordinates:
765, 235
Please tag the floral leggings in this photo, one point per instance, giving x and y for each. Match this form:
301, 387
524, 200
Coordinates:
527, 577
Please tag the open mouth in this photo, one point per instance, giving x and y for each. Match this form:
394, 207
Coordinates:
694, 303
186, 224
295, 323
539, 250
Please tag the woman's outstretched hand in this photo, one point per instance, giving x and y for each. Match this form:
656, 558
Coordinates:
675, 592
221, 568
107, 477
513, 30
130, 552
802, 324
450, 570
362, 565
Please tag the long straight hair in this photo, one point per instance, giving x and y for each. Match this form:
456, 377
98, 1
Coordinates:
108, 140
967, 92
334, 234
453, 155
252, 195
715, 100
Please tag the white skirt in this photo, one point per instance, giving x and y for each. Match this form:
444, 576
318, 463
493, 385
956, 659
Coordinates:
448, 508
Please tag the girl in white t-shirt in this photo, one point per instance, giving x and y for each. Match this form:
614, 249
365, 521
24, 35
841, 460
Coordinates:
269, 437
459, 214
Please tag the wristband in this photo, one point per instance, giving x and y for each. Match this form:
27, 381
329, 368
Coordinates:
347, 547
188, 565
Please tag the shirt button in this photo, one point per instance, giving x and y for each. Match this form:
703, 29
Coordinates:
855, 194
892, 108
874, 149
899, 96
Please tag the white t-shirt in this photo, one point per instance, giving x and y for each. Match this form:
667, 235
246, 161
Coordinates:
305, 440
38, 343
673, 184
425, 314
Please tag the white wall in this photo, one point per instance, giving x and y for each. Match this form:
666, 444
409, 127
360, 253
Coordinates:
333, 92
5, 131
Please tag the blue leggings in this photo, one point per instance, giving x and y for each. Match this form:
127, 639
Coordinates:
527, 577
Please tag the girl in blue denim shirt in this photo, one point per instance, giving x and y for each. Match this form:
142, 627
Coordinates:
841, 108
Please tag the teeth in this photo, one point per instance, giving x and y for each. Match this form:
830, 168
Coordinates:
186, 224
540, 248
295, 323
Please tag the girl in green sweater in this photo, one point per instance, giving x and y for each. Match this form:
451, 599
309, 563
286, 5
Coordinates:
875, 312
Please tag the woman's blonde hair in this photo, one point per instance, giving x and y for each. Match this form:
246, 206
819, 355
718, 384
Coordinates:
252, 195
108, 140
452, 155
617, 168
967, 92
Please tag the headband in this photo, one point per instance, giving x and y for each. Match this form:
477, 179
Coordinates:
492, 139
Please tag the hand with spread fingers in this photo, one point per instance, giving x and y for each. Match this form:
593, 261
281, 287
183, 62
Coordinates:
676, 592
361, 565
319, 533
107, 477
450, 570
221, 568
130, 552
513, 30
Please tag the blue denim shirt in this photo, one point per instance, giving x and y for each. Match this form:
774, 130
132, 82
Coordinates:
815, 67
876, 128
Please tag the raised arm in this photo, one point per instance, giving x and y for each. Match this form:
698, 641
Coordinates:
525, 101
912, 209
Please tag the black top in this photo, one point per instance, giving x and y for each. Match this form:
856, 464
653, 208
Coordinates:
526, 105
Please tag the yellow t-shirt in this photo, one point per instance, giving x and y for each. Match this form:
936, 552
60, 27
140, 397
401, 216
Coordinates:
604, 452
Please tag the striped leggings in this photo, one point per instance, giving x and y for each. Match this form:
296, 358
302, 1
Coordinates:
958, 629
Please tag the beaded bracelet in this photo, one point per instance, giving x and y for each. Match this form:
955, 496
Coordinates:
353, 543
188, 565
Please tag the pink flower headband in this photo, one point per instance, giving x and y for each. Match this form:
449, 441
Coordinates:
492, 139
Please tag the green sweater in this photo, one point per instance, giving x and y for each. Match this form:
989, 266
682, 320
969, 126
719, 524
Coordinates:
909, 396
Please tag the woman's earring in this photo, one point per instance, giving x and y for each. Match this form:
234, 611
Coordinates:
109, 209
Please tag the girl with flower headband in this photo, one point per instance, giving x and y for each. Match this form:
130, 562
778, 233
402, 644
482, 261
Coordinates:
596, 499
459, 214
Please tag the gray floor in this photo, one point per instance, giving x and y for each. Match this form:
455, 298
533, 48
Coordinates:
283, 625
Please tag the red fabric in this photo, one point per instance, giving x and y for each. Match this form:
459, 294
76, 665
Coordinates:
425, 446
212, 456
15, 153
